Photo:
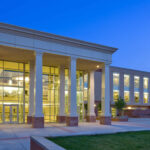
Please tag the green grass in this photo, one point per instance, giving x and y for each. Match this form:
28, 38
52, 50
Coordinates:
119, 141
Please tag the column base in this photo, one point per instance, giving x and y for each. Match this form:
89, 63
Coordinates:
37, 122
105, 120
29, 119
71, 121
61, 119
91, 118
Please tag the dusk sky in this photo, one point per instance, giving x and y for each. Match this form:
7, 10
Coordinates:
124, 24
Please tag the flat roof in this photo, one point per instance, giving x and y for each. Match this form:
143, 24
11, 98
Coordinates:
128, 69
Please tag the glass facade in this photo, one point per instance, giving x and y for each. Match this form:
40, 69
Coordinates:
145, 89
126, 88
12, 83
50, 93
136, 88
82, 92
14, 92
116, 79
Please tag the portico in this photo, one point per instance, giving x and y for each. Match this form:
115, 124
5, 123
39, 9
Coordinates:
39, 49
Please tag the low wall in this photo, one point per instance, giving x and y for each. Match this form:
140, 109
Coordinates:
137, 113
41, 143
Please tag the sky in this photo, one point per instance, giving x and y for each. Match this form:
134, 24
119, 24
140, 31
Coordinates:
124, 24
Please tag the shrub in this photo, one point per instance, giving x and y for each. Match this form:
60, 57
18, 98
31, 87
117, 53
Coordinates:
119, 105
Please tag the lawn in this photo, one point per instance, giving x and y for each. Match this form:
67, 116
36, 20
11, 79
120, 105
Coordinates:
119, 141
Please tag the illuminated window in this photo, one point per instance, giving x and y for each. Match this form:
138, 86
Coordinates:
126, 88
136, 83
145, 84
126, 82
50, 93
136, 97
136, 88
115, 95
86, 87
126, 96
82, 92
115, 86
146, 95
145, 88
113, 112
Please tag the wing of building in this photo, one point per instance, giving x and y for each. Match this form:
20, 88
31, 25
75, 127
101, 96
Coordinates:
131, 85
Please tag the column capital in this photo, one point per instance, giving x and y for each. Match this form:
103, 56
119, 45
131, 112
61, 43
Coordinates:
73, 57
106, 64
37, 52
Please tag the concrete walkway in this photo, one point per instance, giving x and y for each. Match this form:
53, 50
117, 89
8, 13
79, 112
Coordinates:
17, 137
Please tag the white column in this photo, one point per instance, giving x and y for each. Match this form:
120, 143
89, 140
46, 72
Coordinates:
31, 88
91, 98
72, 118
38, 104
73, 91
62, 91
105, 91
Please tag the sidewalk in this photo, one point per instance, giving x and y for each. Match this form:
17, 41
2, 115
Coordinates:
17, 137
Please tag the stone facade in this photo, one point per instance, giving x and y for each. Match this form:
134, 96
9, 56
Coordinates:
38, 122
91, 118
61, 119
29, 120
71, 121
105, 120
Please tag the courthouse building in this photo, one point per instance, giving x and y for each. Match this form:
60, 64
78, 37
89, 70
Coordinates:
48, 78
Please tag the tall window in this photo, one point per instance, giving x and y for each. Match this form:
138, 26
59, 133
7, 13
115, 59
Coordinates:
50, 93
116, 86
136, 88
126, 88
145, 86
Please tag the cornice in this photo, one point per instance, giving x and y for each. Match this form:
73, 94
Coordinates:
75, 42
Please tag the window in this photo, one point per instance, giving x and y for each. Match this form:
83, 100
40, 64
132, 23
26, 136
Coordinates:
115, 86
146, 97
126, 96
145, 88
136, 88
126, 88
145, 80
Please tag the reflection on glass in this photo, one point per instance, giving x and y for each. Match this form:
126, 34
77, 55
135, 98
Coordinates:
126, 88
50, 93
136, 83
136, 88
116, 86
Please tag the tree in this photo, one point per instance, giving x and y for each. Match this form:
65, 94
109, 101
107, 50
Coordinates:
119, 105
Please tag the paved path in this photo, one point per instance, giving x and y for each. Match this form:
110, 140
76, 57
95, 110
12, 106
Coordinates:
16, 137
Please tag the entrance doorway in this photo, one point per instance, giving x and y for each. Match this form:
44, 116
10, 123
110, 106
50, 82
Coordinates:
10, 114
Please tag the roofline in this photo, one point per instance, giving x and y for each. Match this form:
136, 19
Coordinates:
129, 69
57, 37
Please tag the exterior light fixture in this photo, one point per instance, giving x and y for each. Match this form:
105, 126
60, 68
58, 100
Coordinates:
97, 66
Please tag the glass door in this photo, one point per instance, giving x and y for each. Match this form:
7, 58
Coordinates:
6, 114
10, 113
14, 114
